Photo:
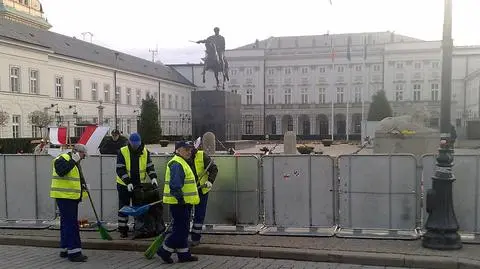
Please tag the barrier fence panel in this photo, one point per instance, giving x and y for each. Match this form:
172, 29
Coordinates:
20, 193
465, 192
298, 195
45, 205
3, 189
247, 190
233, 202
109, 195
378, 196
21, 187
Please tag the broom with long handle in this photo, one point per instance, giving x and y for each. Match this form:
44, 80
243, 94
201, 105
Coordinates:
103, 231
155, 245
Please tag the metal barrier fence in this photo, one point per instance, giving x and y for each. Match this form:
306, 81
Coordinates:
23, 184
365, 196
465, 192
234, 202
378, 196
299, 195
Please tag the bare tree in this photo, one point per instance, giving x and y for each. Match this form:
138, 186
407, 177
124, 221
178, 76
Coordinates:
40, 119
3, 120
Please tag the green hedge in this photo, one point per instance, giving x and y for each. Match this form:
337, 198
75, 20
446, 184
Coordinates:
15, 145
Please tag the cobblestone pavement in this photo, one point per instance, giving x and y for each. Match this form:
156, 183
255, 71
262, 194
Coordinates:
34, 257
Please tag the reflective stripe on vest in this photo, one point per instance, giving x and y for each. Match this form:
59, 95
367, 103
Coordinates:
199, 168
189, 189
142, 165
69, 186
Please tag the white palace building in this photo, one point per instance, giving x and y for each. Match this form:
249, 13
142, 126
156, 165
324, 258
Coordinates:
297, 83
286, 83
69, 78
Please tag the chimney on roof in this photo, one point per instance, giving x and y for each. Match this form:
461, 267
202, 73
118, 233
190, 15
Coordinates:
257, 43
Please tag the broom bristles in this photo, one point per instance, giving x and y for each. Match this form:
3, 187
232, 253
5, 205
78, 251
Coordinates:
153, 248
104, 233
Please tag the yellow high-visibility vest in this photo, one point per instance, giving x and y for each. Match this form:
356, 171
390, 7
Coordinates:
68, 186
142, 165
200, 168
189, 189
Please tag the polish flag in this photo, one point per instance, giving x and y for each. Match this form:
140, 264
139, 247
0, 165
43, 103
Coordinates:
58, 135
92, 137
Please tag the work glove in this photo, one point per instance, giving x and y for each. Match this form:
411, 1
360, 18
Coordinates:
208, 185
76, 157
130, 187
154, 182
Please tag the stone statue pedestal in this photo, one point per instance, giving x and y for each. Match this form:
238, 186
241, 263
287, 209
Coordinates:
416, 144
290, 143
217, 112
405, 134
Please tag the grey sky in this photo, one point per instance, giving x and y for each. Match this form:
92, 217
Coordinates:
137, 26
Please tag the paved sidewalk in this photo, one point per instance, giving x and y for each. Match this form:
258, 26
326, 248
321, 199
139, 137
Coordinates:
395, 253
34, 257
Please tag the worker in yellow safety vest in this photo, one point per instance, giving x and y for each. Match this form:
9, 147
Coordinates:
180, 192
199, 161
68, 188
133, 166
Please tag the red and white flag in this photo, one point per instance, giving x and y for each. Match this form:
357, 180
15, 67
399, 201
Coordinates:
92, 137
58, 135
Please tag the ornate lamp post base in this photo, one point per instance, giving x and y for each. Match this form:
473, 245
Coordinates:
442, 224
442, 240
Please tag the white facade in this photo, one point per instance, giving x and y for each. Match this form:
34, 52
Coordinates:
176, 108
35, 77
292, 82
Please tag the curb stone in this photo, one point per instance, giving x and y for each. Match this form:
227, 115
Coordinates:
331, 256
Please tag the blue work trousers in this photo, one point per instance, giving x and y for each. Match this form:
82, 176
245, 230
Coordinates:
124, 199
177, 240
69, 228
200, 211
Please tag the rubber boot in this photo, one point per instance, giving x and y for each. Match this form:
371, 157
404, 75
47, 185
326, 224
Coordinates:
77, 257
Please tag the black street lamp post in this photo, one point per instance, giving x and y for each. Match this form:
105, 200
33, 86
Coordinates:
442, 225
75, 113
138, 113
57, 113
185, 118
116, 93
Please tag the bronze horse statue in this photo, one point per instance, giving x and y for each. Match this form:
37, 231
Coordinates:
215, 64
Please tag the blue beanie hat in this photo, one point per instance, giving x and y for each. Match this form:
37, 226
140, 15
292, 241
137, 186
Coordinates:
181, 144
135, 139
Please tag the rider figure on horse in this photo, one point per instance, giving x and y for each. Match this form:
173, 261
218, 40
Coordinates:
215, 57
219, 42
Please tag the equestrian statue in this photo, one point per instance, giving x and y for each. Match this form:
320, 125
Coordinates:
215, 60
